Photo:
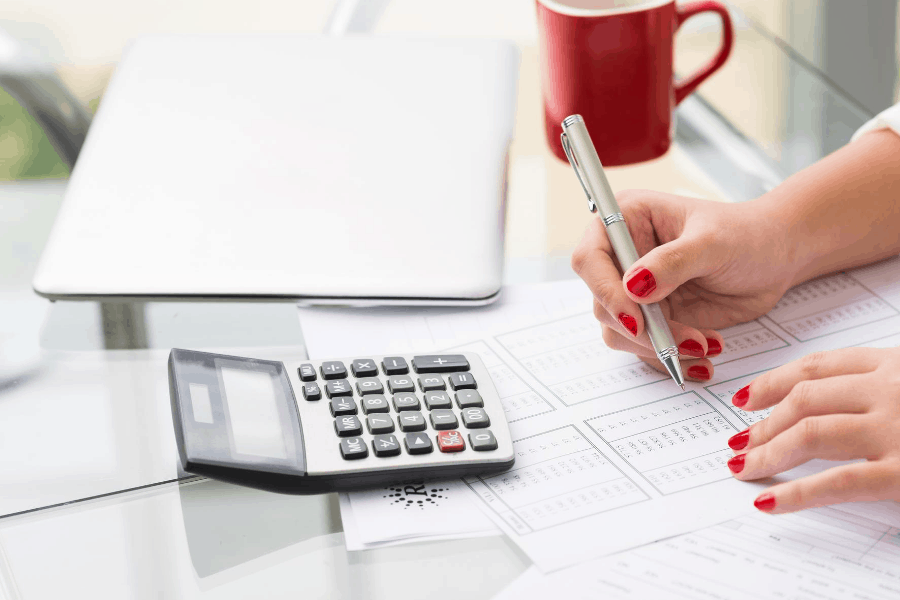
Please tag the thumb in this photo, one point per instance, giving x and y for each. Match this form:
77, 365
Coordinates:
656, 274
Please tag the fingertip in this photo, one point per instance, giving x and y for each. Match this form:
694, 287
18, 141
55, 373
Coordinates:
741, 397
629, 323
765, 502
700, 372
640, 283
691, 347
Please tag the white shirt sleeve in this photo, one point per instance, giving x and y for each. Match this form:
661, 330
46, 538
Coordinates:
886, 119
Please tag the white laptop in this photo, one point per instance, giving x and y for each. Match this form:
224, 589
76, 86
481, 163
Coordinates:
322, 169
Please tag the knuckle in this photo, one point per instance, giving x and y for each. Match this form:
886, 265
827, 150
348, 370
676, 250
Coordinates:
599, 312
801, 398
811, 364
612, 338
628, 197
809, 432
672, 259
579, 259
846, 480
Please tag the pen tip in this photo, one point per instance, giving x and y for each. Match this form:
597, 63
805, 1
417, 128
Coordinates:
682, 387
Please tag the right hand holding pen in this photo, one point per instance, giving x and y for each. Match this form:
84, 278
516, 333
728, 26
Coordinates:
708, 264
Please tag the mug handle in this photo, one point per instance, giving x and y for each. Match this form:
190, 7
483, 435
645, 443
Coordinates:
685, 12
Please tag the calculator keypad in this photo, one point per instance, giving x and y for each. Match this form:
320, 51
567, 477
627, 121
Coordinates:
387, 408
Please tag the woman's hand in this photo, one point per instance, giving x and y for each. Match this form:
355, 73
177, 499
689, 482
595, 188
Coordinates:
838, 405
709, 265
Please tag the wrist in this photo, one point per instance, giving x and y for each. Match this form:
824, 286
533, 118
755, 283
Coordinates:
784, 236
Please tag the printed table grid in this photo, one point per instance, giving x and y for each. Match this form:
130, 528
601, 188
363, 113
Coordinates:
861, 306
549, 511
578, 348
676, 443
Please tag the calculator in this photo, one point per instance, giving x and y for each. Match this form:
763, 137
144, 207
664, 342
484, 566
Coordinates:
327, 425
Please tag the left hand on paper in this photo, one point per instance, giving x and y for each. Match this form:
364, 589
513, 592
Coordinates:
836, 405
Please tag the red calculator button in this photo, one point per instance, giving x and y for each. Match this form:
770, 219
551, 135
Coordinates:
450, 441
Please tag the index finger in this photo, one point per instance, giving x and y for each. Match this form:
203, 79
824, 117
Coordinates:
771, 388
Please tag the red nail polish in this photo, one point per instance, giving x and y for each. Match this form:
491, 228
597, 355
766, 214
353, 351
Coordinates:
641, 283
740, 440
736, 463
691, 348
765, 502
698, 372
742, 396
629, 323
713, 347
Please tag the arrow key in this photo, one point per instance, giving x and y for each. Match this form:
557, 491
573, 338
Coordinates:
418, 443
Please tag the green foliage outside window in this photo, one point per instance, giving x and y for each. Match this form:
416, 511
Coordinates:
25, 152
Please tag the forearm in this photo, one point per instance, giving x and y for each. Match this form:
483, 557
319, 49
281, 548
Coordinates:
843, 211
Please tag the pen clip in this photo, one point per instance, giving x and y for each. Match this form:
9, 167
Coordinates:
570, 154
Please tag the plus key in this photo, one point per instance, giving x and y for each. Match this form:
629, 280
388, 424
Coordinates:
443, 363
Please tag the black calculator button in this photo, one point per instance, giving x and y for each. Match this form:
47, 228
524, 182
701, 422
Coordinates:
369, 385
311, 391
333, 369
385, 445
354, 448
432, 382
418, 443
364, 367
435, 400
468, 398
450, 441
482, 441
307, 373
338, 387
347, 426
475, 418
462, 381
380, 424
401, 383
406, 401
342, 406
411, 421
443, 419
376, 403
443, 363
394, 365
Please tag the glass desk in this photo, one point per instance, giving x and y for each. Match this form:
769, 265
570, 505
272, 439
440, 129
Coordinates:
92, 502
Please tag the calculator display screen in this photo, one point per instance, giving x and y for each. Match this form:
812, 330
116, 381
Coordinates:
253, 413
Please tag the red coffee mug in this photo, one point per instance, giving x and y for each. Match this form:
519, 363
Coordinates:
611, 62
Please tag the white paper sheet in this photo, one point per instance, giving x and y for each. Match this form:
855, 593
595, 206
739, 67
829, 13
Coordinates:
610, 454
410, 513
820, 553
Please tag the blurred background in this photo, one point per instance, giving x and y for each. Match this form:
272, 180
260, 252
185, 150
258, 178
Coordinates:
852, 45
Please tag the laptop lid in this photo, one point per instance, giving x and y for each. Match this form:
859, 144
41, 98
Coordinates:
316, 168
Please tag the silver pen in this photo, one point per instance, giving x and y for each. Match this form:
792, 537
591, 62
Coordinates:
576, 141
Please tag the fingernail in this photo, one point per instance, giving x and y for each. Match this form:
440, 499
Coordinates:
742, 396
736, 463
765, 502
629, 323
691, 348
713, 347
641, 283
740, 440
698, 372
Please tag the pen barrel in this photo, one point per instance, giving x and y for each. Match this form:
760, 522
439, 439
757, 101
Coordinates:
654, 321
